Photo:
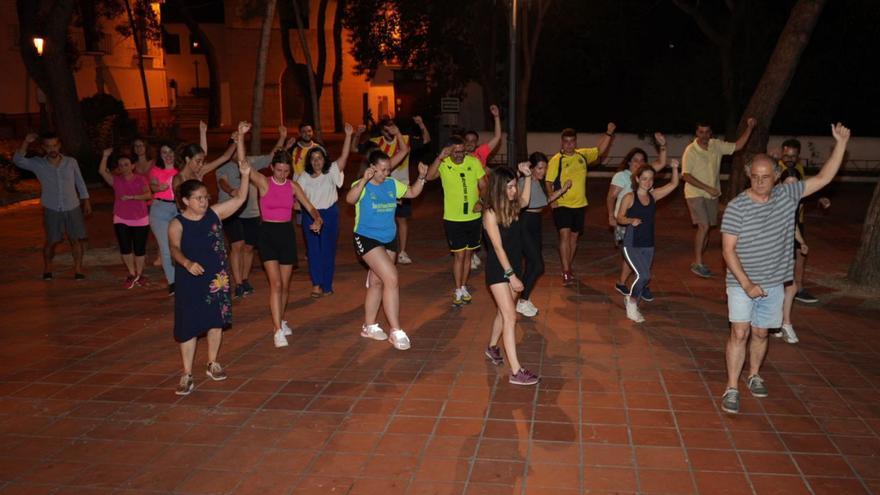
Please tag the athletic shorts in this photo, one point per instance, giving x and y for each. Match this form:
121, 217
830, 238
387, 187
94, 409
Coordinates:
364, 244
60, 223
703, 211
463, 235
569, 218
761, 312
233, 228
277, 242
404, 208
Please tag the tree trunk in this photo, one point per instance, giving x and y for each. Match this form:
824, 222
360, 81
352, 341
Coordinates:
52, 72
338, 117
210, 58
316, 115
728, 91
321, 28
260, 79
865, 268
773, 85
140, 60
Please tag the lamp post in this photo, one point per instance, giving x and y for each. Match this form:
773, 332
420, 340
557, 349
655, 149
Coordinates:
39, 44
511, 94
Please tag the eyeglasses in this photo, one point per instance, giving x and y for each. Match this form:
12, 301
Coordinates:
206, 197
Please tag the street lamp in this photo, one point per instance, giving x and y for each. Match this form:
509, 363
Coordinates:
38, 44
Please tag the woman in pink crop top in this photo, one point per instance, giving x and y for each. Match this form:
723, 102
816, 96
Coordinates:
163, 209
130, 218
277, 242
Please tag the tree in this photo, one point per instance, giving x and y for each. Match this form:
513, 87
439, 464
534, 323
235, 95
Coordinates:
865, 268
211, 59
52, 71
140, 37
338, 117
531, 17
313, 91
260, 79
774, 83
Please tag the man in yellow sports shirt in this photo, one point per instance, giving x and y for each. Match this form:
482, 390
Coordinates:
568, 211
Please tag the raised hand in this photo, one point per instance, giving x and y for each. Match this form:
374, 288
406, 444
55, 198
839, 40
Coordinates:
751, 122
282, 131
361, 129
524, 169
107, 152
445, 152
235, 136
418, 120
244, 127
660, 138
611, 128
31, 137
493, 109
244, 167
203, 127
673, 163
840, 133
349, 130
289, 143
423, 169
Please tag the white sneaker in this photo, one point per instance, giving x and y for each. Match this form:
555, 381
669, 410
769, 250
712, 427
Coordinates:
399, 339
374, 332
526, 308
280, 339
403, 258
465, 295
475, 261
286, 329
632, 310
788, 334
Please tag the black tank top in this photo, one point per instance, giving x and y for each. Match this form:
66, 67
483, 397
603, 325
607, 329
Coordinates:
511, 241
643, 235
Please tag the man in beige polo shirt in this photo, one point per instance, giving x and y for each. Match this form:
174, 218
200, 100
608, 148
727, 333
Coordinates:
700, 168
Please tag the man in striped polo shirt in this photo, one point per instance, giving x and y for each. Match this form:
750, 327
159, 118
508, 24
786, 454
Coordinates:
757, 235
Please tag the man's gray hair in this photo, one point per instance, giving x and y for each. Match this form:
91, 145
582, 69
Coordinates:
748, 166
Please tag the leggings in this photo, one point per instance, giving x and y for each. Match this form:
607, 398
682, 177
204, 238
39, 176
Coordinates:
161, 214
131, 238
531, 224
640, 259
321, 247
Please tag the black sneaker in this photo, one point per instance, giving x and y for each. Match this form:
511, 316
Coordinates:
170, 289
647, 296
248, 288
805, 297
493, 352
48, 276
79, 276
622, 288
239, 291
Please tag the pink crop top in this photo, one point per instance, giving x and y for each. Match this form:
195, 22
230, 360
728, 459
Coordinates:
277, 204
163, 176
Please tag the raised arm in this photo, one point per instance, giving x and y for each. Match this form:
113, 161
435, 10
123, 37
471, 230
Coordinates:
220, 160
662, 192
19, 158
496, 137
832, 166
744, 137
605, 140
227, 208
526, 192
203, 136
490, 223
282, 137
354, 194
426, 136
416, 187
346, 147
102, 167
660, 162
434, 169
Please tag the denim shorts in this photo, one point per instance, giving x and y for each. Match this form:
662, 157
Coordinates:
761, 312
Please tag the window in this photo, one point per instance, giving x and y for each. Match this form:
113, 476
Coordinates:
170, 43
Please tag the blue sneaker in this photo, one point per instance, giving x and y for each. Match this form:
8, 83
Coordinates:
701, 270
622, 288
647, 296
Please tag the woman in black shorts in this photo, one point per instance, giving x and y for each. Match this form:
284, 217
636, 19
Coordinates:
503, 203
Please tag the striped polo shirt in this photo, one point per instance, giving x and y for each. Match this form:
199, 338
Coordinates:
765, 234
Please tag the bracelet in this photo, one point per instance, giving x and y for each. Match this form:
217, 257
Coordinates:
508, 273
527, 175
663, 147
423, 177
609, 134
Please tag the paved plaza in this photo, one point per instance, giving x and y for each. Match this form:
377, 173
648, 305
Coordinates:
88, 371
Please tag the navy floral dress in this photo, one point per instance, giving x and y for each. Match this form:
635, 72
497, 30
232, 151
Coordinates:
202, 302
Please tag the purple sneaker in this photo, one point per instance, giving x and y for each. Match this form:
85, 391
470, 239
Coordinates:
524, 377
493, 352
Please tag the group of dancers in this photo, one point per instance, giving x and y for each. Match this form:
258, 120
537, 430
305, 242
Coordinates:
502, 205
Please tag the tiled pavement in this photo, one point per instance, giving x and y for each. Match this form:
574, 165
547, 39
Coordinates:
87, 372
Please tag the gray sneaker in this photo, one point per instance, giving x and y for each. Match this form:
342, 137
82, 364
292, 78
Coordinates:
701, 270
757, 387
185, 386
730, 401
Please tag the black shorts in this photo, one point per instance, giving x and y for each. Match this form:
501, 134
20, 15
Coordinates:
278, 242
233, 228
569, 218
404, 208
131, 238
463, 235
250, 227
364, 244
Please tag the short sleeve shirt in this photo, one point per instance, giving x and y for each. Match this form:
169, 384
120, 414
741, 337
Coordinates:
765, 234
229, 171
298, 156
623, 180
482, 153
574, 168
163, 176
704, 165
322, 190
460, 188
400, 173
374, 210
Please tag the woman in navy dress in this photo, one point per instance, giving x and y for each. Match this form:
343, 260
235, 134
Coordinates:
202, 303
